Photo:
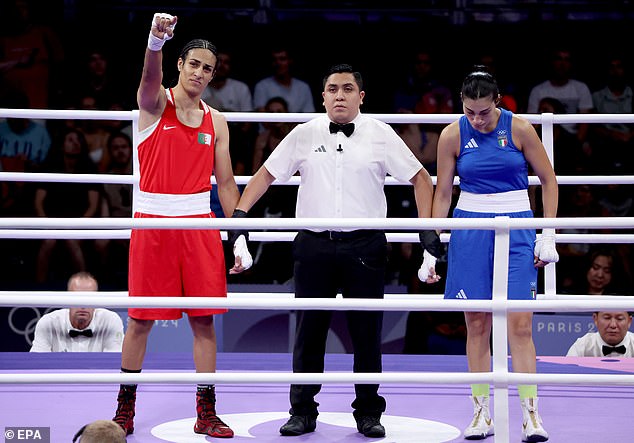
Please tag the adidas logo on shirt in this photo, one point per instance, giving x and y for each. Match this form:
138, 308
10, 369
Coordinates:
461, 294
471, 144
320, 149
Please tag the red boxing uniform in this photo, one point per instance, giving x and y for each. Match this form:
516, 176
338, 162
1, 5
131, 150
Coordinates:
176, 163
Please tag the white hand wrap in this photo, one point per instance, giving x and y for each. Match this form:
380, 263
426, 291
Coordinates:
240, 250
155, 43
545, 247
429, 261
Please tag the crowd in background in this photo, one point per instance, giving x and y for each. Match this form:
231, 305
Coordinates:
65, 64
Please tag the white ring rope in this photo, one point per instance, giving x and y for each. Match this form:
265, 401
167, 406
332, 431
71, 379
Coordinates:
298, 117
500, 377
293, 181
331, 377
431, 302
498, 223
258, 236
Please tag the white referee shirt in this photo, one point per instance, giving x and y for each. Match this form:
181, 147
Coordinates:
591, 345
51, 333
342, 177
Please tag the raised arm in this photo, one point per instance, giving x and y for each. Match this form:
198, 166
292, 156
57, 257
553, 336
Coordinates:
151, 94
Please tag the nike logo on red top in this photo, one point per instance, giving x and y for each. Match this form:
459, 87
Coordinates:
165, 127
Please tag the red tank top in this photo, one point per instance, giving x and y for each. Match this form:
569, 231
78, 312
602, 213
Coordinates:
175, 158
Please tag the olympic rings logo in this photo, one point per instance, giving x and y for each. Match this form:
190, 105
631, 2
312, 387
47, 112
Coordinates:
28, 329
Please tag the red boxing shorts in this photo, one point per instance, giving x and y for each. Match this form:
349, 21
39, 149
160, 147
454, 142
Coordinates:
176, 263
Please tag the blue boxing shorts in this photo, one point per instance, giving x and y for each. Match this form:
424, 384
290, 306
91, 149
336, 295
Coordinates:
470, 260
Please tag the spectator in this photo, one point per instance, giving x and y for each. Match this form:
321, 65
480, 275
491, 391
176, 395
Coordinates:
421, 139
273, 133
283, 84
509, 99
116, 202
422, 93
600, 276
68, 155
569, 157
577, 201
100, 431
273, 259
79, 329
97, 78
96, 133
24, 145
228, 94
613, 142
114, 126
617, 200
612, 338
30, 53
574, 94
23, 140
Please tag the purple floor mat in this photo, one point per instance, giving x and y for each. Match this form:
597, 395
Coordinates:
415, 413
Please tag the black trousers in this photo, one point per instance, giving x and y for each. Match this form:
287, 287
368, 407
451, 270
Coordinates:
324, 264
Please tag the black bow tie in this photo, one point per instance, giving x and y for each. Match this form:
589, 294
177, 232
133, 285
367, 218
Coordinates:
607, 350
347, 128
75, 332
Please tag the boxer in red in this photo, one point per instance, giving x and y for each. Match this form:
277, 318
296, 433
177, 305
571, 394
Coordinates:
182, 142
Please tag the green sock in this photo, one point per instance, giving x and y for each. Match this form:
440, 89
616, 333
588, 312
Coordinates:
527, 391
480, 390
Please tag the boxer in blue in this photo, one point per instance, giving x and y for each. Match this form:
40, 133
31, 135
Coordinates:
490, 149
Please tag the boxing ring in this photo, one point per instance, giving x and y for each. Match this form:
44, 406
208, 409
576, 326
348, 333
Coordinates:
427, 396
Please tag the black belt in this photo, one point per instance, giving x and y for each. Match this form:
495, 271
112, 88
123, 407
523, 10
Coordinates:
343, 235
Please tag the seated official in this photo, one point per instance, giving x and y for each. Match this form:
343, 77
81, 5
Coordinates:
79, 329
612, 339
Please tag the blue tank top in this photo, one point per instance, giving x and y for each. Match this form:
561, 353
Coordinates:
490, 163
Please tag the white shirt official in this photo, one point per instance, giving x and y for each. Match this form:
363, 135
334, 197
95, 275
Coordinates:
52, 333
342, 177
591, 345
